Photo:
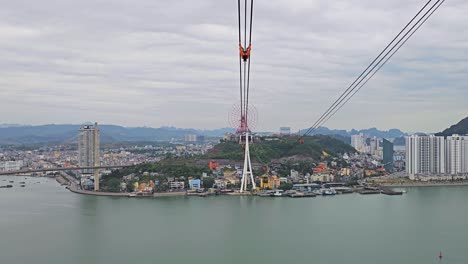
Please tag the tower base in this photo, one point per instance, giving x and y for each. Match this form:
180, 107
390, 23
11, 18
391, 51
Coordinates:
247, 170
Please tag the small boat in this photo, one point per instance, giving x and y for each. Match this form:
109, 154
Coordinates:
12, 181
22, 185
22, 182
278, 193
264, 194
369, 192
131, 195
6, 186
391, 192
327, 192
440, 255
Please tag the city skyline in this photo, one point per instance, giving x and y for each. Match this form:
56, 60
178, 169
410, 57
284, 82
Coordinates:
168, 64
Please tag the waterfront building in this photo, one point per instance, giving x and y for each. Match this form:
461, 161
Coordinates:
270, 182
195, 184
88, 151
425, 155
457, 154
322, 177
13, 165
306, 187
387, 155
176, 185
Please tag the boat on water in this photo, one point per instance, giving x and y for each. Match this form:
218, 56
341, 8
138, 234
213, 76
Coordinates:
131, 195
22, 185
265, 193
391, 192
12, 181
22, 182
278, 193
327, 192
6, 186
369, 192
302, 195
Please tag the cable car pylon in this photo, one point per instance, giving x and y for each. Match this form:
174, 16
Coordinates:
245, 48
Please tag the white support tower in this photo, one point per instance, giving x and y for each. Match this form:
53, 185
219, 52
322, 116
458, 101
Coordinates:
96, 157
247, 171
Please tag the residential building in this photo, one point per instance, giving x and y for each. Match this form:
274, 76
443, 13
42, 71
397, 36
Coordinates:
294, 174
457, 154
176, 185
190, 138
270, 182
387, 155
358, 142
195, 184
11, 165
322, 177
425, 155
374, 146
88, 151
88, 147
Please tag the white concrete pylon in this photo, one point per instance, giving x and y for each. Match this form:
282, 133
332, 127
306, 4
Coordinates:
247, 171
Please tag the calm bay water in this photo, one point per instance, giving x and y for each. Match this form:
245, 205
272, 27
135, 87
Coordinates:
46, 224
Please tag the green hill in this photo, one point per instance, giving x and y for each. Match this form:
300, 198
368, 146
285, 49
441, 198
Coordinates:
460, 128
276, 148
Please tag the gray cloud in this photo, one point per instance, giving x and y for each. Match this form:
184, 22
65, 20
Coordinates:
175, 63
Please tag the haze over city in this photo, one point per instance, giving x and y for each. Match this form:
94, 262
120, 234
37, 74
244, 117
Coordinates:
160, 63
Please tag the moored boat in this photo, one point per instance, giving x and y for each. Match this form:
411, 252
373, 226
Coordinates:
392, 192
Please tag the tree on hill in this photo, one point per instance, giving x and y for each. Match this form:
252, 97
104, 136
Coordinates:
265, 151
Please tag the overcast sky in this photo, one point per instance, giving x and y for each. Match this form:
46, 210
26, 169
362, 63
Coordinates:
175, 63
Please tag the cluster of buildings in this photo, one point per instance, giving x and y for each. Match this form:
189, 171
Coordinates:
11, 165
430, 155
374, 146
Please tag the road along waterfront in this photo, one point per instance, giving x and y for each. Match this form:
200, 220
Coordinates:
43, 223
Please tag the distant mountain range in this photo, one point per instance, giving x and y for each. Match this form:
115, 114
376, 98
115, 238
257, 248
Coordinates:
108, 133
67, 133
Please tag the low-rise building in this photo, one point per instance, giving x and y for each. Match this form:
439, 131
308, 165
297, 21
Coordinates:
270, 182
11, 165
176, 185
195, 184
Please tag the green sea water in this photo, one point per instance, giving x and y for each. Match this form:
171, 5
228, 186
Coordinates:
43, 223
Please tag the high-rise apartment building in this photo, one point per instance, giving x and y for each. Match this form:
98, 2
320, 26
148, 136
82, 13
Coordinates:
194, 138
425, 155
358, 142
387, 155
374, 146
457, 154
88, 151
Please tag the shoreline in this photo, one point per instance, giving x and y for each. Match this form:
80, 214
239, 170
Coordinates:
420, 184
73, 189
